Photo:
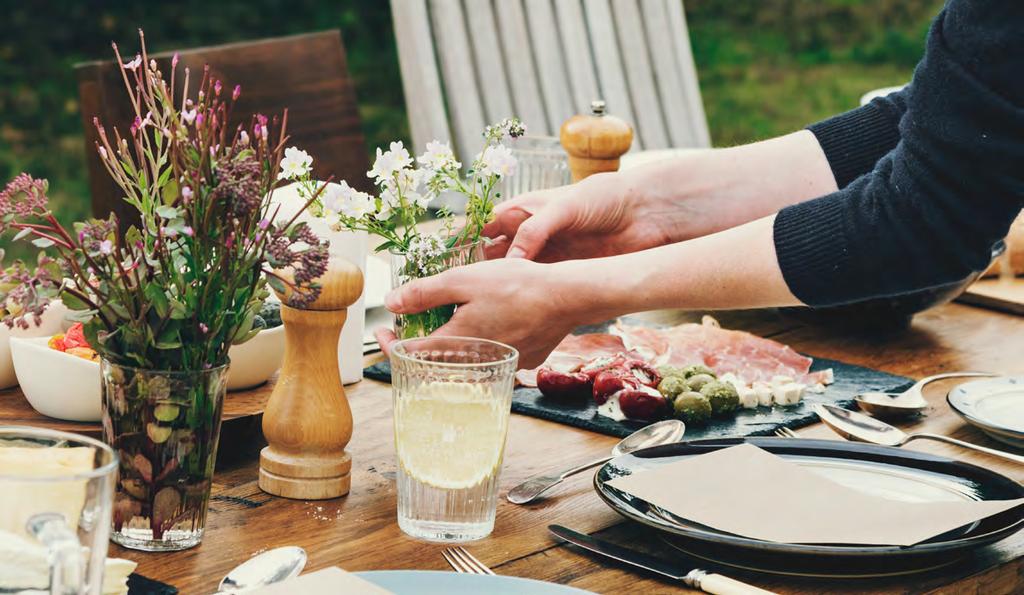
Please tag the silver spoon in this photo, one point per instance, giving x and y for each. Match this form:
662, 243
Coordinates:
906, 403
857, 426
272, 566
663, 432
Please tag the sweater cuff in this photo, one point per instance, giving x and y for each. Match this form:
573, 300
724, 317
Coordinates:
811, 247
854, 141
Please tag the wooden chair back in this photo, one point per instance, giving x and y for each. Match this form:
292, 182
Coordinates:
467, 63
307, 74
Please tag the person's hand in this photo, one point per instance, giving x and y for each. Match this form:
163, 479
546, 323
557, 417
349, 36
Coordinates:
527, 305
599, 216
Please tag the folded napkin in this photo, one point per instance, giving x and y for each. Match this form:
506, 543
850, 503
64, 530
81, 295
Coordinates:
329, 581
747, 491
24, 566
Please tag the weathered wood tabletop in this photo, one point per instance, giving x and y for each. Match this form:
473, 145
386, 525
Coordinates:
359, 532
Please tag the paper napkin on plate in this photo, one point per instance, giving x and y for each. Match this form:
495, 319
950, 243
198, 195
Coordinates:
747, 491
329, 581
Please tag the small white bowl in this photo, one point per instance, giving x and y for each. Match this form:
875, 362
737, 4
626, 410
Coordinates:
55, 383
52, 324
256, 360
67, 387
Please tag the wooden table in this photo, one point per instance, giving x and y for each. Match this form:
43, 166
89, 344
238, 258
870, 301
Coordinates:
359, 532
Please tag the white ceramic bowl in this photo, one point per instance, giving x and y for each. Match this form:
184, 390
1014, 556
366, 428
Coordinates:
52, 321
256, 360
67, 387
57, 384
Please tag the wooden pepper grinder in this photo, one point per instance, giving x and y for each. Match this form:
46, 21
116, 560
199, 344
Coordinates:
595, 141
307, 422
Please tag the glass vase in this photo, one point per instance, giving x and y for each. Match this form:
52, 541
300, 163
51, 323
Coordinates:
164, 425
542, 163
404, 269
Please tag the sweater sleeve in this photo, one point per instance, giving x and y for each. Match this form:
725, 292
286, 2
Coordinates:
854, 141
931, 209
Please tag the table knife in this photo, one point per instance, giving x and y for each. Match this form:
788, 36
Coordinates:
695, 578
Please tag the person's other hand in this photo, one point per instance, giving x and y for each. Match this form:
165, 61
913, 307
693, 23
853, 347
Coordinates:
527, 305
598, 216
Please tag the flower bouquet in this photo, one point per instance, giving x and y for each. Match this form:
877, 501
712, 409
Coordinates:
163, 300
404, 195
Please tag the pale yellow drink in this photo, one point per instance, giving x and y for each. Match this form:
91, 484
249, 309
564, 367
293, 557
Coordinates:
451, 420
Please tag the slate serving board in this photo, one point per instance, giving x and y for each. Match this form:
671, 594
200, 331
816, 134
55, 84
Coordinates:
763, 421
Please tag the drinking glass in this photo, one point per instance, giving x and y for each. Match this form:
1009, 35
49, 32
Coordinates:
542, 164
405, 269
56, 494
165, 426
452, 401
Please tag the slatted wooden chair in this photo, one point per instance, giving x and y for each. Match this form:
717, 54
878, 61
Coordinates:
466, 63
308, 74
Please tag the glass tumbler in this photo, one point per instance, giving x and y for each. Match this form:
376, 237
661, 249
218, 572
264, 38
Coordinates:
165, 426
56, 496
542, 164
452, 401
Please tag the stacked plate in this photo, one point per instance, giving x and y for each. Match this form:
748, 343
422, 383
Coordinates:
888, 472
995, 406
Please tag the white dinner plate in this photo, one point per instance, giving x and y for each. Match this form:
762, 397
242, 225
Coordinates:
433, 582
994, 405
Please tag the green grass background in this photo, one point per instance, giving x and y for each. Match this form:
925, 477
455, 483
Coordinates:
766, 67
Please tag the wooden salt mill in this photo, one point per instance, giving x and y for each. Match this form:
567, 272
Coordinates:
595, 141
307, 422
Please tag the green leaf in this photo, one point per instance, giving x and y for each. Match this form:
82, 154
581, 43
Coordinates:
276, 284
72, 301
42, 242
21, 234
167, 212
178, 310
169, 337
156, 296
82, 316
118, 309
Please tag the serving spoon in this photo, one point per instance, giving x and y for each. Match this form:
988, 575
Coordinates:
906, 403
272, 566
857, 426
663, 432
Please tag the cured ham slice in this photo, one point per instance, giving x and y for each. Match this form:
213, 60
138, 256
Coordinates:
746, 356
573, 352
753, 358
650, 343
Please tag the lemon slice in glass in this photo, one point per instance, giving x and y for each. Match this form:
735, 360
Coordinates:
450, 435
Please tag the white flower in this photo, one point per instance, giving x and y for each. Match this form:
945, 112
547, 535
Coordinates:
295, 164
389, 162
389, 201
497, 161
424, 252
342, 198
133, 64
438, 156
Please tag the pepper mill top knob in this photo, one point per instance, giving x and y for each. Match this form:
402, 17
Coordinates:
340, 286
595, 141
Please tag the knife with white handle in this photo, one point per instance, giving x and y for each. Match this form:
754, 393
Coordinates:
695, 578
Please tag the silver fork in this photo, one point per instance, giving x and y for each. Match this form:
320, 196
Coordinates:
465, 562
786, 433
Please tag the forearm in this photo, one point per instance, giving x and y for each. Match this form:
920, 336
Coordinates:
733, 269
708, 191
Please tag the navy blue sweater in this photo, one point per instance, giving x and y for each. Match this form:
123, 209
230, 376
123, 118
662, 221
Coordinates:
929, 178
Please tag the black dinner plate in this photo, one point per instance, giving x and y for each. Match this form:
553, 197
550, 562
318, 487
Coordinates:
885, 471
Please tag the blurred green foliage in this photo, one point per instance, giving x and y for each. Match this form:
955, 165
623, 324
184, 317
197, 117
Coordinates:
766, 67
